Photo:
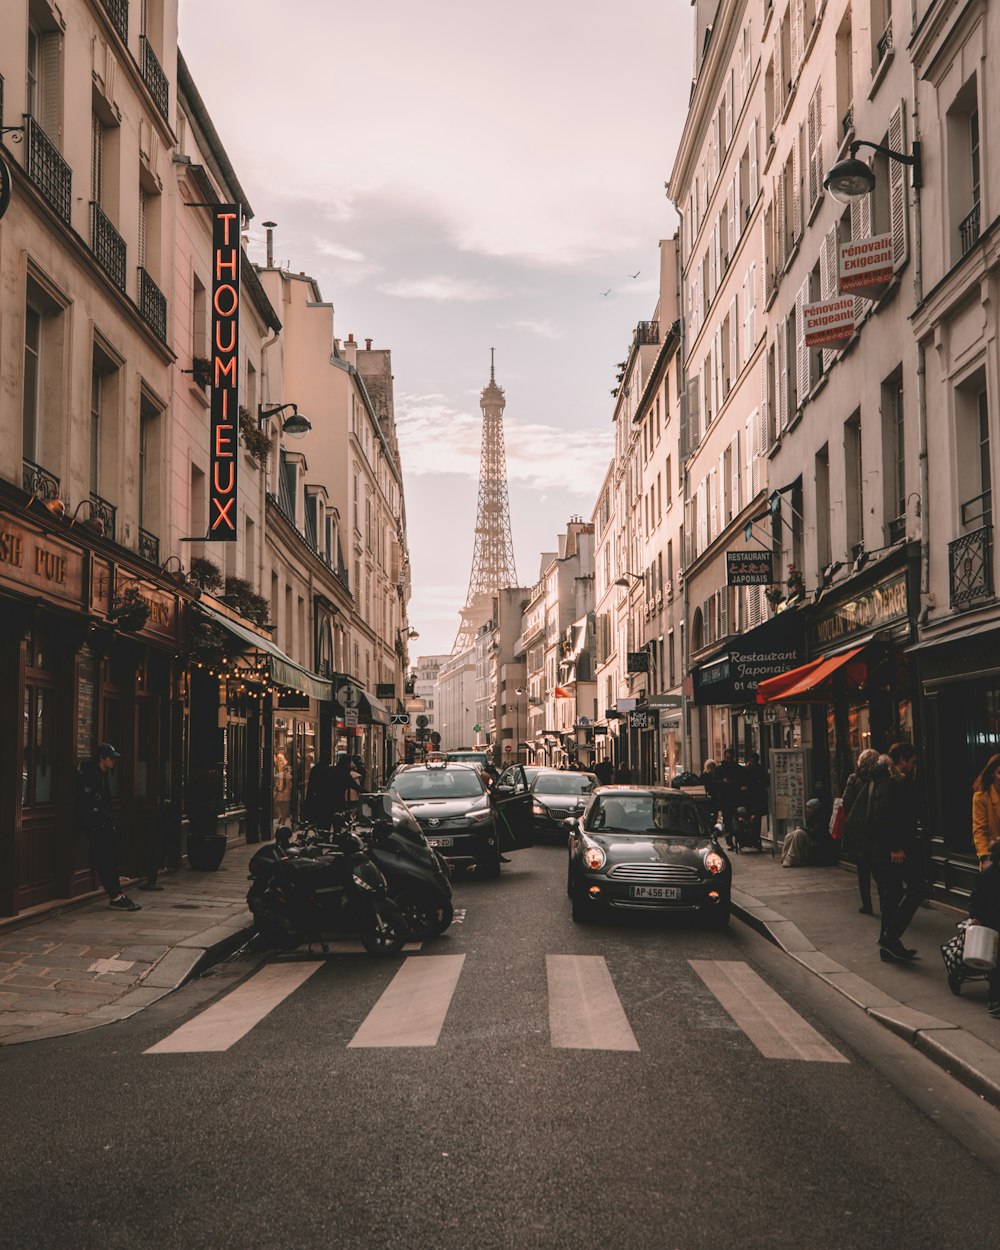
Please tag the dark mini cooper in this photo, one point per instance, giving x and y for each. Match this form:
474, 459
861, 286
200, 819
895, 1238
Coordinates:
641, 848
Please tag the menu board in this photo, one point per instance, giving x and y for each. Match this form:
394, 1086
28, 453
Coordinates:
86, 680
789, 783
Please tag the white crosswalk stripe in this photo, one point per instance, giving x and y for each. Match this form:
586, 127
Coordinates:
412, 1009
775, 1029
585, 1012
232, 1017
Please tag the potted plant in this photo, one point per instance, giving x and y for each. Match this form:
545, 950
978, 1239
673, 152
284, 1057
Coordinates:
129, 610
208, 573
796, 582
205, 845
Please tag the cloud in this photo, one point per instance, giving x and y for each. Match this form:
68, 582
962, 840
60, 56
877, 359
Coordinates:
436, 438
543, 329
441, 288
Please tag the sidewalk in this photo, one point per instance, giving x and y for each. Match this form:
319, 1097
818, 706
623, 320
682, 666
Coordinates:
86, 966
812, 914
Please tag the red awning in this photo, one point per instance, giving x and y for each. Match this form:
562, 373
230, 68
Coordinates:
811, 683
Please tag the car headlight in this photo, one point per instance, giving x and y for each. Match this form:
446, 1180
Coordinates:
537, 809
715, 863
480, 816
594, 858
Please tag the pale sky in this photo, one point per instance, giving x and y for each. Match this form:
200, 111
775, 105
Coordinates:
459, 176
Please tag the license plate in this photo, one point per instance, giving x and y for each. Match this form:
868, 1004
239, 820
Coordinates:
438, 842
655, 891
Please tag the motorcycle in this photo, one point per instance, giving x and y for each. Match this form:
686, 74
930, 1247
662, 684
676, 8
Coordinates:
417, 877
305, 893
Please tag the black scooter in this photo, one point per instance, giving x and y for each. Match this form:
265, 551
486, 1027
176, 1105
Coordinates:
304, 894
418, 879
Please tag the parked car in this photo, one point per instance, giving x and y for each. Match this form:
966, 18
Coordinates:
645, 848
469, 825
557, 793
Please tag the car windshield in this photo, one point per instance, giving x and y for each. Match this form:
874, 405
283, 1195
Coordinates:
563, 783
646, 813
467, 757
436, 783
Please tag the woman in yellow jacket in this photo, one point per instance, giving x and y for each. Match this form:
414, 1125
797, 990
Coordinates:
986, 810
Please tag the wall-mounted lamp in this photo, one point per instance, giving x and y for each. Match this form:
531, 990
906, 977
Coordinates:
295, 426
852, 179
621, 581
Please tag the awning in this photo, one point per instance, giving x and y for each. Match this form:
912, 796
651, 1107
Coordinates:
812, 682
734, 674
284, 671
378, 713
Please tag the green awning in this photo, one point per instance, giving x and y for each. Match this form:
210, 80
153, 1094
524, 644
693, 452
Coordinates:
284, 671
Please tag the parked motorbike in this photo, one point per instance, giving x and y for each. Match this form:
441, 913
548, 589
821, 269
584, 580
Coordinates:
417, 877
305, 893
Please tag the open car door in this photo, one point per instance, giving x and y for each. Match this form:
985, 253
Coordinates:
512, 804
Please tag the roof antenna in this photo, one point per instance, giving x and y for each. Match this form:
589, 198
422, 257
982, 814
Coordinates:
492, 373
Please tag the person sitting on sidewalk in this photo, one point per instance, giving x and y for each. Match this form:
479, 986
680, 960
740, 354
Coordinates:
984, 909
807, 845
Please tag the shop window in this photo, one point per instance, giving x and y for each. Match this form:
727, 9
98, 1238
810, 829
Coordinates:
236, 763
38, 745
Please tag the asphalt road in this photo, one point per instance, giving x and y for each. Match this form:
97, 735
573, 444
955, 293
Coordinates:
585, 1103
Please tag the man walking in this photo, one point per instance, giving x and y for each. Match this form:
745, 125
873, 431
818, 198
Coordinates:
728, 779
97, 822
899, 867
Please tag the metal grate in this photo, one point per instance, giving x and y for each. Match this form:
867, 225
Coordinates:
154, 77
47, 169
848, 120
103, 516
117, 10
152, 305
107, 245
970, 566
654, 872
884, 45
39, 482
149, 546
968, 231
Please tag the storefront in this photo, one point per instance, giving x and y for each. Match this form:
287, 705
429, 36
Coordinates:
90, 645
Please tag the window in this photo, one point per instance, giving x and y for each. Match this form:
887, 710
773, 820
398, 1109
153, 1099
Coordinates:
844, 56
975, 476
44, 70
95, 429
97, 160
964, 170
894, 457
148, 501
31, 415
822, 473
42, 382
853, 484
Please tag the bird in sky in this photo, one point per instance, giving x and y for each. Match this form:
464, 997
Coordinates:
636, 274
607, 292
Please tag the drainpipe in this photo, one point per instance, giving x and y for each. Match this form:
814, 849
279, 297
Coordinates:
918, 295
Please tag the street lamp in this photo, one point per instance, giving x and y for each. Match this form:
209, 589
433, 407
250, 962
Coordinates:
852, 179
295, 426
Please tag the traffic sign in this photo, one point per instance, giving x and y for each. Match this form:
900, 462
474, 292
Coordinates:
507, 747
477, 729
422, 722
399, 718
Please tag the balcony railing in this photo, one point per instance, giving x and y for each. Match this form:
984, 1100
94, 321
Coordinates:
897, 529
39, 482
977, 508
103, 516
970, 566
149, 546
647, 333
847, 121
154, 77
117, 10
47, 169
107, 245
968, 231
152, 305
884, 45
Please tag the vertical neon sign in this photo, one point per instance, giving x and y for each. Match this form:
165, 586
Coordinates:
225, 359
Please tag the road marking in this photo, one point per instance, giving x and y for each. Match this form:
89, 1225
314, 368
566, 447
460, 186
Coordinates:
223, 1024
413, 1005
339, 946
585, 1012
775, 1029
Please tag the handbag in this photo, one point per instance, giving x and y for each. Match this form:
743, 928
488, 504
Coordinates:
952, 952
838, 817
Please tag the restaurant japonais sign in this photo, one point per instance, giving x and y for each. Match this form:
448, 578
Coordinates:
226, 250
749, 568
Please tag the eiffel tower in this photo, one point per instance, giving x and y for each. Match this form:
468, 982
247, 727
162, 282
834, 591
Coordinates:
493, 555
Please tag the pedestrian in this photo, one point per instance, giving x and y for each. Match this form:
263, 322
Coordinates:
809, 843
361, 772
623, 774
331, 788
898, 861
986, 810
755, 791
984, 909
728, 783
96, 819
857, 844
604, 771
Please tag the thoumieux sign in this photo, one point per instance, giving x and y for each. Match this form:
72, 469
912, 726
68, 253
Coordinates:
226, 251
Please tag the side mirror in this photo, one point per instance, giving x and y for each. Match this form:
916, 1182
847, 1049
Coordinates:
569, 823
498, 789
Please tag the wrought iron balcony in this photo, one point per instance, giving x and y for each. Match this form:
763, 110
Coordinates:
117, 10
897, 529
647, 333
968, 231
152, 305
149, 546
103, 516
970, 566
39, 482
107, 245
978, 508
847, 121
47, 169
884, 45
154, 77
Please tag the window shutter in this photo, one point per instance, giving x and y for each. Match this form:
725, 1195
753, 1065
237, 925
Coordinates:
734, 342
715, 270
723, 611
701, 517
736, 469
861, 220
753, 163
737, 212
828, 262
779, 251
794, 39
813, 134
764, 413
801, 350
141, 248
730, 90
780, 380
96, 159
50, 86
779, 78
797, 215
746, 68
760, 449
732, 216
897, 188
750, 311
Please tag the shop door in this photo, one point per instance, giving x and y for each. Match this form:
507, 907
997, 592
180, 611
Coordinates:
37, 849
137, 842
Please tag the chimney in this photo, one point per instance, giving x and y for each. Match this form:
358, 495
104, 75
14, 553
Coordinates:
368, 345
351, 350
269, 227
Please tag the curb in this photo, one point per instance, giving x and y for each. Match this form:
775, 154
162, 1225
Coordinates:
962, 1055
179, 965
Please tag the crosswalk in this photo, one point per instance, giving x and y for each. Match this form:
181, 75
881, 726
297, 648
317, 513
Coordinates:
585, 1011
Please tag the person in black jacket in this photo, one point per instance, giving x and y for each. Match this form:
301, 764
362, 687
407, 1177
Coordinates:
898, 861
330, 786
728, 788
95, 818
984, 908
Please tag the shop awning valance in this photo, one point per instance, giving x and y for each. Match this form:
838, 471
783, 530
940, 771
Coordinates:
284, 670
378, 713
813, 682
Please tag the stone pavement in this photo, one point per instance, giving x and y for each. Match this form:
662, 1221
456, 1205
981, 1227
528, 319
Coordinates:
84, 966
812, 914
